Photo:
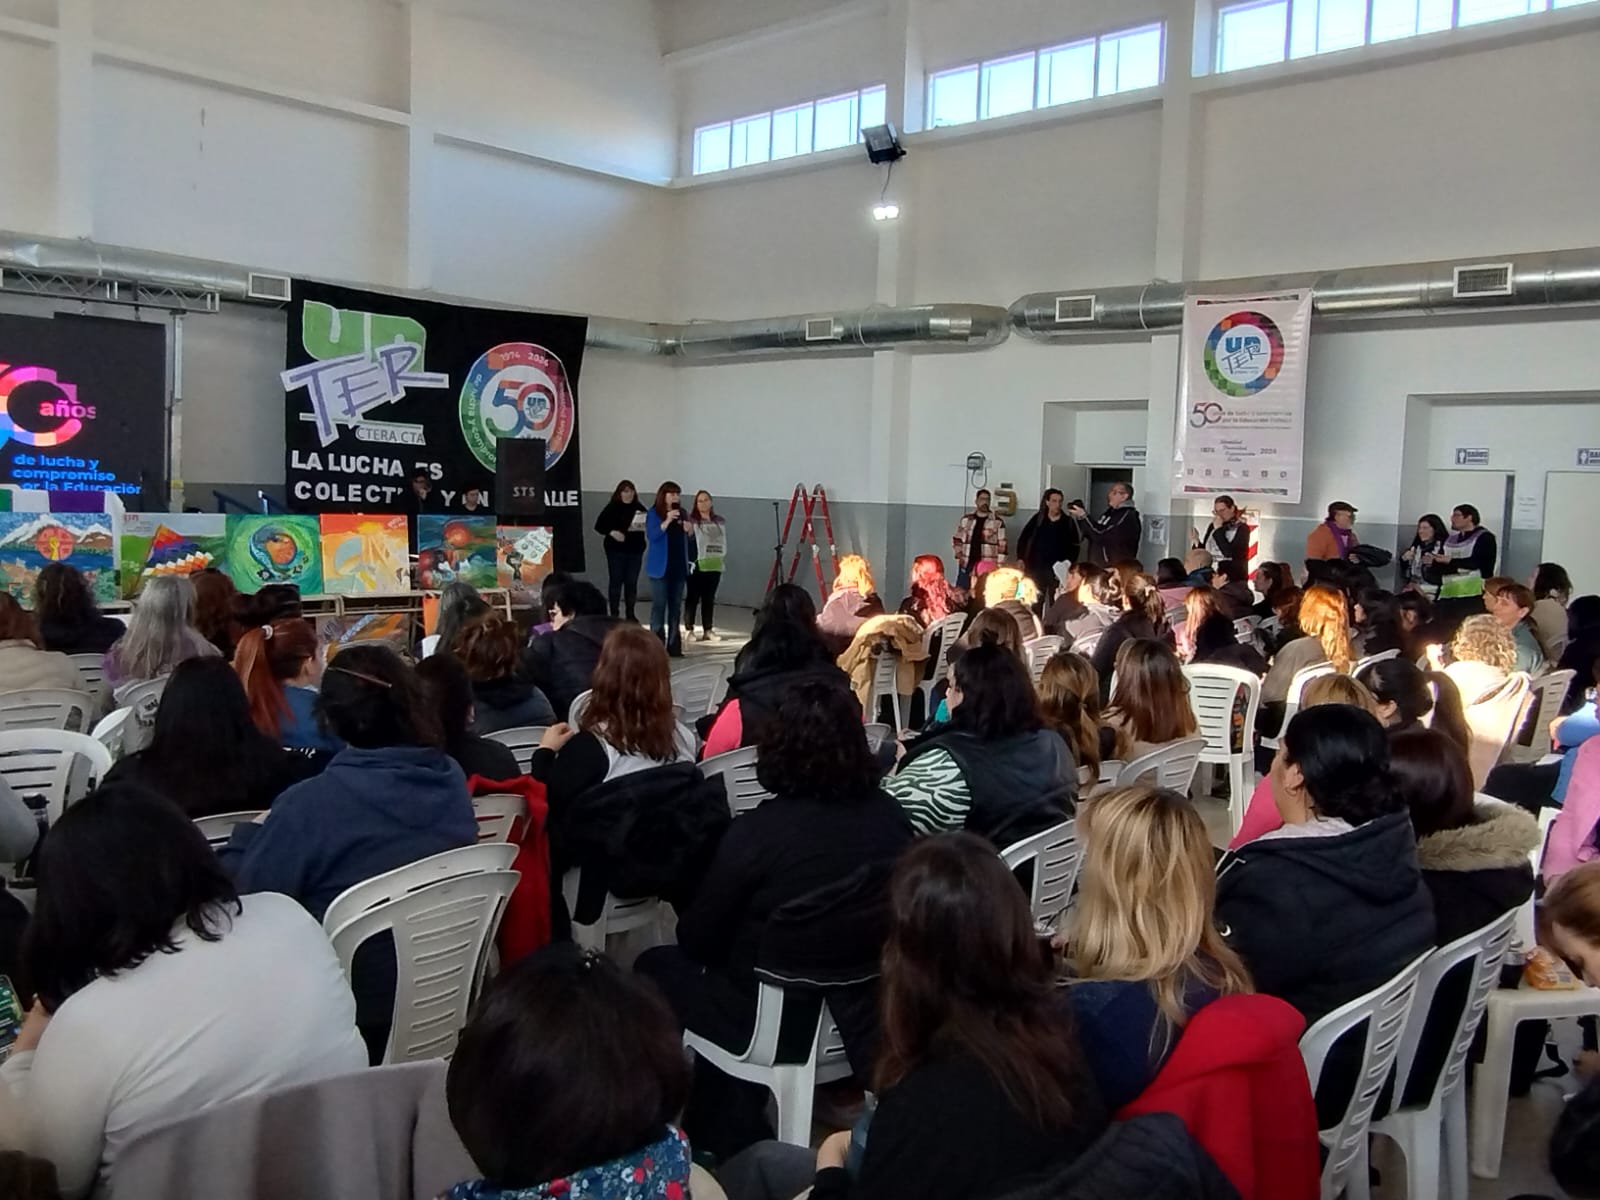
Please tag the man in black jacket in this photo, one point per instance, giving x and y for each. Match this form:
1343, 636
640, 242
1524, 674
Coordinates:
561, 663
1227, 537
1114, 535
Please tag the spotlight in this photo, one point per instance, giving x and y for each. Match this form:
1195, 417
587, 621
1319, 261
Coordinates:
885, 212
883, 144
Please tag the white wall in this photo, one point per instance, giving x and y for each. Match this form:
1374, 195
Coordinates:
27, 147
684, 24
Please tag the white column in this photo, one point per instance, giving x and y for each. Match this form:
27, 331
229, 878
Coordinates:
419, 146
75, 119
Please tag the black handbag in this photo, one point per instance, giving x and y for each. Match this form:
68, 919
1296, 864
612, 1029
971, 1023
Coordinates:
1372, 556
1575, 1145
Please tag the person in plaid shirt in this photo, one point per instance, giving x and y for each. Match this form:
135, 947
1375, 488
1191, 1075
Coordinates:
980, 536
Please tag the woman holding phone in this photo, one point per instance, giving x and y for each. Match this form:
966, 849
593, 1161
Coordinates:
667, 564
621, 524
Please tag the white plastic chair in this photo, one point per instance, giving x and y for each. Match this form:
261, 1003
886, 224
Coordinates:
429, 646
580, 703
1244, 631
1297, 686
218, 828
1056, 854
616, 916
1442, 1121
1381, 656
877, 734
93, 669
1384, 1012
886, 684
738, 771
501, 816
699, 688
792, 1084
62, 767
1549, 690
1039, 651
443, 932
947, 631
1213, 693
1172, 765
452, 864
144, 699
522, 741
111, 731
46, 708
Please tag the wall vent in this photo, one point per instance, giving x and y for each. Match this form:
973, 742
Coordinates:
261, 286
821, 329
1483, 279
1073, 309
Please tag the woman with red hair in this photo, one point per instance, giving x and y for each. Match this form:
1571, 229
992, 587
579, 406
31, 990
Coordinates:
931, 598
279, 664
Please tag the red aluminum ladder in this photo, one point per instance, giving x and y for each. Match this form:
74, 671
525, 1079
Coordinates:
807, 504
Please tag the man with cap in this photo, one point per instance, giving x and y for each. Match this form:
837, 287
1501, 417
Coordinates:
1335, 537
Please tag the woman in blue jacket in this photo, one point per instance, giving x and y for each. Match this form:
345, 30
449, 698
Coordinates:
667, 564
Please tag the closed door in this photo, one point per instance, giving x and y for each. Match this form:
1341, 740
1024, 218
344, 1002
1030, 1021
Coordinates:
1487, 491
1572, 527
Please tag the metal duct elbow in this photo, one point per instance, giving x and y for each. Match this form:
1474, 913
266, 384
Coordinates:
85, 260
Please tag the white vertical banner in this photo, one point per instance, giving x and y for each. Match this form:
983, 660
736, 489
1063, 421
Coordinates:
1242, 401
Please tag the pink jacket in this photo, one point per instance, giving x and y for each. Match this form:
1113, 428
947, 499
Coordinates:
1261, 815
1572, 837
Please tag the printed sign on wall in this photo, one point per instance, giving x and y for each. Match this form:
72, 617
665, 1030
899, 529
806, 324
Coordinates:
379, 387
1242, 396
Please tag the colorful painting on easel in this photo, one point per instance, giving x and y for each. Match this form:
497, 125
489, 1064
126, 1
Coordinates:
522, 560
265, 549
392, 629
452, 548
365, 555
29, 542
156, 544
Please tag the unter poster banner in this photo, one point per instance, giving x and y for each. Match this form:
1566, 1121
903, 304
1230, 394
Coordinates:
1242, 396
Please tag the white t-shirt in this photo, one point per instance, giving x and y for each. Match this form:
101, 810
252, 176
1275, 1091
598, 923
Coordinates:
264, 1007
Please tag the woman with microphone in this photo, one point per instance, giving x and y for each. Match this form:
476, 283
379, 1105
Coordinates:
667, 564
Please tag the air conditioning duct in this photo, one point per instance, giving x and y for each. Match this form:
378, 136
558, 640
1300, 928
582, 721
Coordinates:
1550, 279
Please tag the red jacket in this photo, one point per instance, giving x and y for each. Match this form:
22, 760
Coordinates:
1238, 1082
526, 924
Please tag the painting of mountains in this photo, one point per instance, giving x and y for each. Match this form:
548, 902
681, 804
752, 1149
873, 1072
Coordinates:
29, 542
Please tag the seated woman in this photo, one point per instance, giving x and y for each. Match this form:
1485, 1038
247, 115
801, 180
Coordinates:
1285, 609
1410, 698
280, 665
1572, 914
853, 601
23, 665
560, 662
69, 620
389, 798
1143, 616
1270, 577
1324, 638
448, 692
1261, 813
931, 598
1069, 703
159, 634
1203, 622
460, 605
980, 1078
216, 609
989, 625
994, 769
1331, 904
1552, 591
784, 651
160, 991
1482, 657
1139, 981
1375, 622
206, 754
566, 1082
825, 820
1151, 705
1511, 604
1013, 593
487, 648
1217, 644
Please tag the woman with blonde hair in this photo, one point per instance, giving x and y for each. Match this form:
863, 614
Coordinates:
1483, 655
1142, 938
1009, 591
853, 602
1324, 619
1339, 689
1151, 705
1069, 702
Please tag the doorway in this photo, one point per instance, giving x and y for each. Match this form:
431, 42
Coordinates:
1571, 503
1487, 491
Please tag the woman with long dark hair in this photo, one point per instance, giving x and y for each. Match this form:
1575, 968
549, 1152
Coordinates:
69, 620
1421, 571
207, 754
708, 551
1049, 537
980, 1078
621, 526
1410, 698
160, 991
667, 564
1143, 615
994, 768
216, 609
1150, 707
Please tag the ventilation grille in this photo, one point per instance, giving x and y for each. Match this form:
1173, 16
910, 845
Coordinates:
820, 329
1072, 310
261, 286
1483, 279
